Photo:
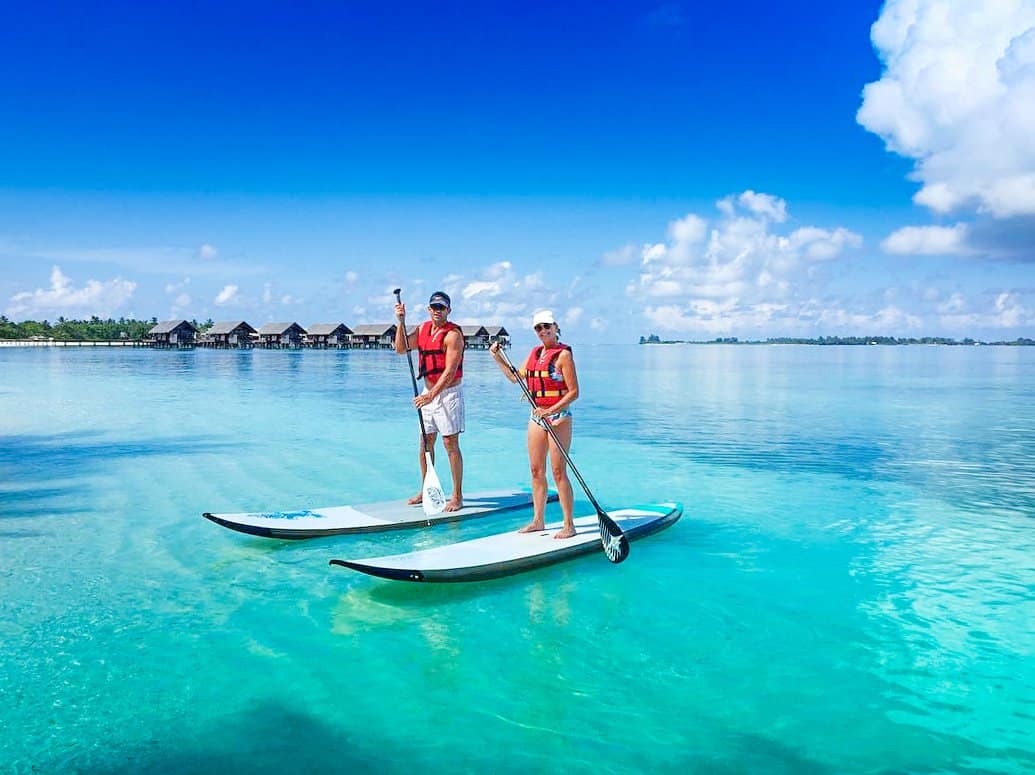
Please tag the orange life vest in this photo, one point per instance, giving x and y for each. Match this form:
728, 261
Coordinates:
539, 367
432, 351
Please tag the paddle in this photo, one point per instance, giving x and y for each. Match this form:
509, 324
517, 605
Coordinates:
613, 540
433, 500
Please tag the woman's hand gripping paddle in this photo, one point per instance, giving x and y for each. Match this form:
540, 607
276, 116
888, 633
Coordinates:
612, 539
433, 500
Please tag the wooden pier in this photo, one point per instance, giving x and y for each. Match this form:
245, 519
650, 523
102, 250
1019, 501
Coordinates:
76, 343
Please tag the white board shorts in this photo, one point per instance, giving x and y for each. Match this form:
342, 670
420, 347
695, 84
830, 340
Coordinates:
445, 414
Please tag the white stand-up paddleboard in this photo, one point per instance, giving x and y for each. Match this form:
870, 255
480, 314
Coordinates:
368, 518
504, 554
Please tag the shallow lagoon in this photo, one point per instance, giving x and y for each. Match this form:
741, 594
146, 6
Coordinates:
851, 588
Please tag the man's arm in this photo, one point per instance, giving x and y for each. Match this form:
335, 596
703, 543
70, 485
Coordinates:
400, 331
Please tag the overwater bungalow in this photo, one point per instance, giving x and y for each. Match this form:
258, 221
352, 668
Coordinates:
278, 336
229, 333
376, 335
475, 337
498, 334
173, 333
322, 335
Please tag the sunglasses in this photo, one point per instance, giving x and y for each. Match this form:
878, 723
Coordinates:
542, 327
438, 307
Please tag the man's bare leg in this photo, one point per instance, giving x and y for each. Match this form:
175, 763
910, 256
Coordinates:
419, 497
456, 468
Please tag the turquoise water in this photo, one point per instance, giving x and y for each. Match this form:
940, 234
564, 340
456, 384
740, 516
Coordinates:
851, 588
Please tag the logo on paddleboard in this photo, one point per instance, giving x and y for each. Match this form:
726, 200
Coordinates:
288, 514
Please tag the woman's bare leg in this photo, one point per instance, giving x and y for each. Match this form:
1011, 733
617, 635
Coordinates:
537, 446
559, 468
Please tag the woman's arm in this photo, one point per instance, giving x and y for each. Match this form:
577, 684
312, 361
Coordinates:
566, 364
494, 349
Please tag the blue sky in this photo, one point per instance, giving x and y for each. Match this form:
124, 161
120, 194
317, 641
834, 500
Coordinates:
760, 170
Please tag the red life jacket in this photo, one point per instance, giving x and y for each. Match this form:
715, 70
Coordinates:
432, 351
546, 390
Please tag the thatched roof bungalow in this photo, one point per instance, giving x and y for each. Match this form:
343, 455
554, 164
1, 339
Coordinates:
230, 333
328, 335
374, 335
278, 335
173, 333
498, 334
475, 337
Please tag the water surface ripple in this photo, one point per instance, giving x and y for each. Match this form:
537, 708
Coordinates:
851, 589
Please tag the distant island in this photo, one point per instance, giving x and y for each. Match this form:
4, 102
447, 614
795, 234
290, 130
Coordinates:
828, 340
97, 329
94, 329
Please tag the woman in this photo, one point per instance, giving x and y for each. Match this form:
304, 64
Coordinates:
549, 373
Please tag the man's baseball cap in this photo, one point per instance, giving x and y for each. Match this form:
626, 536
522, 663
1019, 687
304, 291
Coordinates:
440, 297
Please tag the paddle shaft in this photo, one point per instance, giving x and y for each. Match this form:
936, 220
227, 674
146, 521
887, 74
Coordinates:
413, 374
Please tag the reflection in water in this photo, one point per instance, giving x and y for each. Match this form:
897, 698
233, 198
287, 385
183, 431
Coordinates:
377, 603
549, 603
241, 361
358, 610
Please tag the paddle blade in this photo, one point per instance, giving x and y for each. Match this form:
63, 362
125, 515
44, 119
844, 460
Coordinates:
433, 500
612, 539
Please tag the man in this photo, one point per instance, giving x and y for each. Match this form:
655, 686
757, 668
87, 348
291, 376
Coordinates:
440, 349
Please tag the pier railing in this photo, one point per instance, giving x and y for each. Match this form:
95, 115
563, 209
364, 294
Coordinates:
476, 344
75, 343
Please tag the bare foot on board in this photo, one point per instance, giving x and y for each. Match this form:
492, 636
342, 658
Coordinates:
454, 504
532, 527
415, 500
567, 532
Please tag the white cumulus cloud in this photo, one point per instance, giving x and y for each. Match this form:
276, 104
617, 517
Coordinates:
498, 294
957, 95
765, 205
180, 304
627, 254
748, 270
928, 240
481, 288
737, 271
227, 295
1004, 311
817, 244
182, 300
96, 297
207, 252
